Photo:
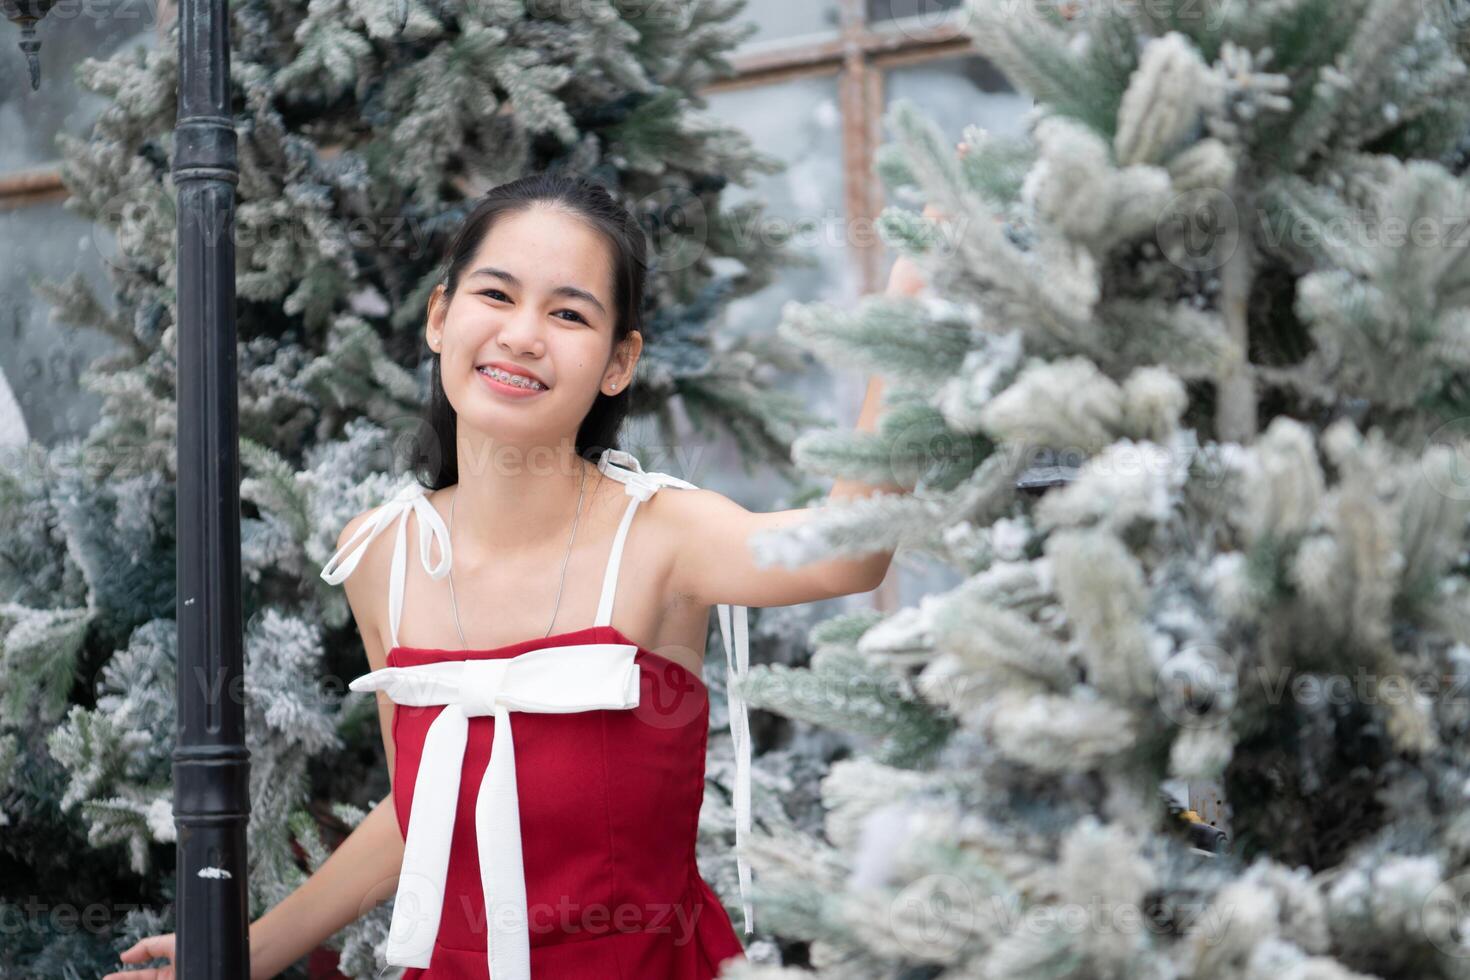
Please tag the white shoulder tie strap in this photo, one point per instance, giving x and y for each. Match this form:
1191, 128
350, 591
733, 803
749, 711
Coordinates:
625, 467
409, 499
737, 663
556, 680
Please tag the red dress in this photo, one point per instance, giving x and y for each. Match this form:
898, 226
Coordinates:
607, 800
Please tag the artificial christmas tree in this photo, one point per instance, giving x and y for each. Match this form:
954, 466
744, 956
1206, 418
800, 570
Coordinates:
365, 133
1225, 281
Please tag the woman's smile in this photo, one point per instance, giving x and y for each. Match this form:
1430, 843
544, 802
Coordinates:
524, 389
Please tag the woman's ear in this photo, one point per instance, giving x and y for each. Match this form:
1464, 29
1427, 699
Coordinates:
434, 321
625, 361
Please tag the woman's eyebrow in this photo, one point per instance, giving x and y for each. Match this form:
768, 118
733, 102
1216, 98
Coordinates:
571, 291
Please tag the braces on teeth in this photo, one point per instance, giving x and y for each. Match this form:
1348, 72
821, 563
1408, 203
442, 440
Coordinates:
513, 379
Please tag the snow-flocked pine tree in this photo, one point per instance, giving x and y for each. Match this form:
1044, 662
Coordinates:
1223, 284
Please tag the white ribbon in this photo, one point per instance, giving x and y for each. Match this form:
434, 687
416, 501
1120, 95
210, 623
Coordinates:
636, 482
553, 680
737, 662
736, 666
409, 499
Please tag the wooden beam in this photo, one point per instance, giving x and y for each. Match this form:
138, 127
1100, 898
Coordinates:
24, 188
933, 52
896, 42
853, 94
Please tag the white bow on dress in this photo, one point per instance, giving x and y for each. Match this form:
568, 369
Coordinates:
556, 680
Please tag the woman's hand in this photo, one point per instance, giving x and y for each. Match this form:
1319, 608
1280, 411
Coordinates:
905, 279
145, 949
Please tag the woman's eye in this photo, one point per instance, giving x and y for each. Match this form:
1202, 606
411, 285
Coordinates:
497, 294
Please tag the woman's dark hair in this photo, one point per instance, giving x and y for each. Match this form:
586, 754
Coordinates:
591, 202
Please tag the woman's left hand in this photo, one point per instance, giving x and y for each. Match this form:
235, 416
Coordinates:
905, 279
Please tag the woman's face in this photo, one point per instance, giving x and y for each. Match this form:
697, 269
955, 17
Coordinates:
537, 298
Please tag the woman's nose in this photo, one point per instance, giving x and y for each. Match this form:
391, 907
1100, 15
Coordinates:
522, 329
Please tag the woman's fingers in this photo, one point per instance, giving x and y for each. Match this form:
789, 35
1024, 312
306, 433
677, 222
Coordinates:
148, 947
904, 279
145, 949
161, 973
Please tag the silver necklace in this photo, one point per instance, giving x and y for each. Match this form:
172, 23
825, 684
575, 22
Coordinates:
575, 521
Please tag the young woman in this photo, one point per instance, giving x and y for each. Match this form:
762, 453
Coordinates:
540, 607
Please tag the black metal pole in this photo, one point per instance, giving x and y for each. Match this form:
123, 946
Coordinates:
211, 764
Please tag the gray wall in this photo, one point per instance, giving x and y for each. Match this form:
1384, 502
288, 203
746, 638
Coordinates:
40, 361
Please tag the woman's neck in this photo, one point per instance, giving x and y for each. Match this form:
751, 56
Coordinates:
513, 502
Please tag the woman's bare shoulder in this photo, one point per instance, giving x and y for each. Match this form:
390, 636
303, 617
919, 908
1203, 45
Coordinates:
673, 512
366, 588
